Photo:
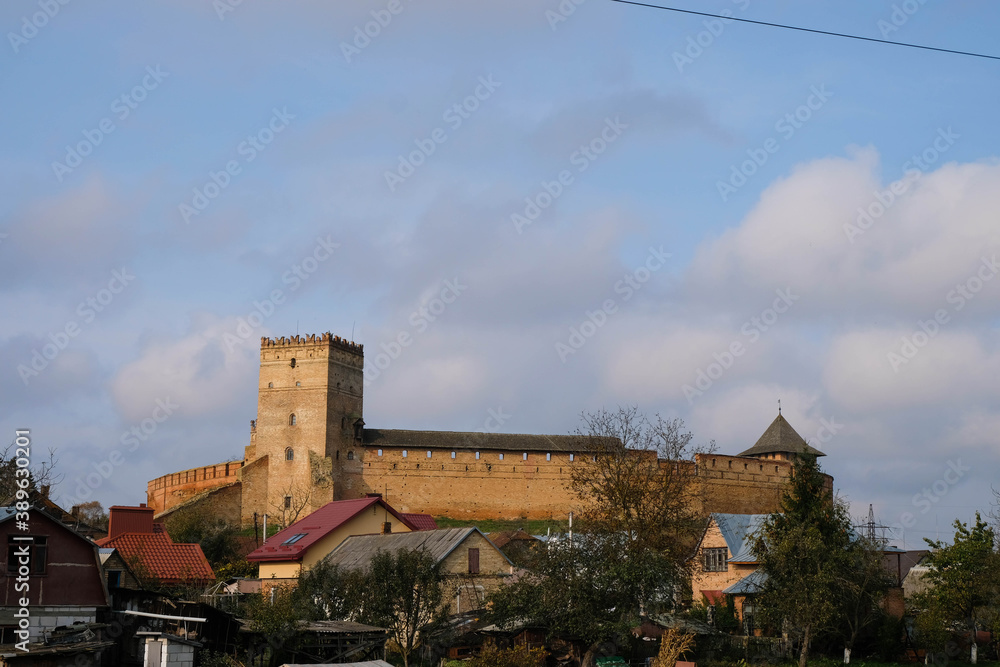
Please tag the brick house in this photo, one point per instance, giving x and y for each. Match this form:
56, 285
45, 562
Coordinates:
304, 543
473, 566
64, 583
724, 559
150, 553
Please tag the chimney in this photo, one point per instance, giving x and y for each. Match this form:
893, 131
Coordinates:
44, 491
123, 519
386, 528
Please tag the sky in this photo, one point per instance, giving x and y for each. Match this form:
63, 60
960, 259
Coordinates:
557, 207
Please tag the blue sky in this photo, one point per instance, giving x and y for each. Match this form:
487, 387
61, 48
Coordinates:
832, 124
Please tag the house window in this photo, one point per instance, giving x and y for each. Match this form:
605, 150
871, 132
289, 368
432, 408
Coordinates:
114, 578
473, 561
288, 502
350, 456
404, 453
294, 538
548, 457
289, 454
38, 551
716, 560
291, 419
453, 455
501, 457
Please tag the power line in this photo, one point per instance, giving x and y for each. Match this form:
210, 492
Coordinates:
819, 32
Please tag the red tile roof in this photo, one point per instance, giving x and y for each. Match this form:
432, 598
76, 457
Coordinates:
170, 563
316, 526
421, 521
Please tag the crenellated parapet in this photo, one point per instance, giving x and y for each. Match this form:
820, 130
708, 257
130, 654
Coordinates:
312, 340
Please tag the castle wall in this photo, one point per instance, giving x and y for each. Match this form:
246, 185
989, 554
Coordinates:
167, 491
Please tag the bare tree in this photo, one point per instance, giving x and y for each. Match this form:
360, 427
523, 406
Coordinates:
295, 498
639, 478
42, 475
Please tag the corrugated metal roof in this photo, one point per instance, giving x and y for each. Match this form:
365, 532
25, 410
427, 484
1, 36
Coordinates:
738, 530
356, 552
508, 442
780, 438
751, 584
315, 527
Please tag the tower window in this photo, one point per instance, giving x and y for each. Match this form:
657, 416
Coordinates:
298, 384
477, 456
291, 419
501, 456
524, 456
289, 454
453, 455
293, 362
288, 502
428, 453
548, 457
404, 453
380, 452
350, 456
270, 385
571, 457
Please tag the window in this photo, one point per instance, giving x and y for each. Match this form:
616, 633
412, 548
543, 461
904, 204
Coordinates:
350, 456
428, 453
298, 384
524, 457
37, 554
572, 457
289, 454
453, 455
548, 457
288, 502
716, 560
404, 453
473, 561
294, 538
114, 578
501, 456
293, 362
291, 419
270, 385
477, 456
380, 452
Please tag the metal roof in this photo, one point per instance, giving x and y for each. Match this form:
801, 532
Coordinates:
508, 442
780, 438
751, 584
738, 530
356, 552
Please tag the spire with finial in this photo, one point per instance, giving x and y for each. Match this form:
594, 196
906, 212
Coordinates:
779, 406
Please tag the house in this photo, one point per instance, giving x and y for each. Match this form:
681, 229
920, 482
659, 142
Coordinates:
515, 544
472, 565
304, 543
725, 558
54, 569
149, 552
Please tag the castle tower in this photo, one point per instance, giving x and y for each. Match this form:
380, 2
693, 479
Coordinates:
308, 422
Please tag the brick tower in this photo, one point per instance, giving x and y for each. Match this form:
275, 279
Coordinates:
303, 445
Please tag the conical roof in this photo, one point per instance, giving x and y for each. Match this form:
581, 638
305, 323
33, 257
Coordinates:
781, 438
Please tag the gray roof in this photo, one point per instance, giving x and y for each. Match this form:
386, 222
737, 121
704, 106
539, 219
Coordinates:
738, 530
6, 513
356, 552
781, 438
478, 440
749, 585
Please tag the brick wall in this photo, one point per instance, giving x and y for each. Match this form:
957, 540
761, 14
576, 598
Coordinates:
164, 492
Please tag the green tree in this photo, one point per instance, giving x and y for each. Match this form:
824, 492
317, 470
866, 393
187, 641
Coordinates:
403, 592
590, 590
964, 580
805, 551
